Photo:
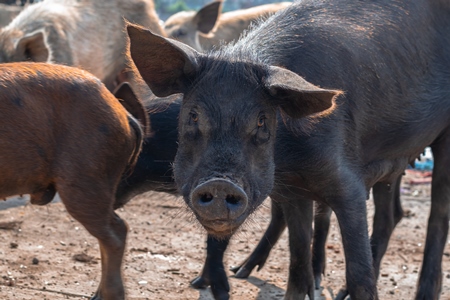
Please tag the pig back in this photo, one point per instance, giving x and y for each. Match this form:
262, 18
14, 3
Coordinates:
372, 52
50, 110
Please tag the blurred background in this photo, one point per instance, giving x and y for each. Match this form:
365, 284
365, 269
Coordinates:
166, 8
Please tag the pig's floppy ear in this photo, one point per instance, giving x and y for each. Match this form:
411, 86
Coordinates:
167, 66
297, 97
34, 47
124, 93
206, 18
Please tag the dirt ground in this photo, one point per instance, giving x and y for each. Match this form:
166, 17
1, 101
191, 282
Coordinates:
45, 254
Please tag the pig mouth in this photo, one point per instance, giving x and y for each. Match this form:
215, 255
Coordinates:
221, 228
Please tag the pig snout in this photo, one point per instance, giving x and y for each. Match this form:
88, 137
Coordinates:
218, 201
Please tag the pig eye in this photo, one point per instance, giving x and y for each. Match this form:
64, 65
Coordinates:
261, 134
261, 121
194, 117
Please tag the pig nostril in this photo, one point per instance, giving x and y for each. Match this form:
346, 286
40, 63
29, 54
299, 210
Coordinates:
205, 198
232, 199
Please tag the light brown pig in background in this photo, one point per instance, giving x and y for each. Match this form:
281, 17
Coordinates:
84, 33
208, 27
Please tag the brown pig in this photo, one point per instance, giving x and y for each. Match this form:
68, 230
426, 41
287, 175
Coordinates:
61, 130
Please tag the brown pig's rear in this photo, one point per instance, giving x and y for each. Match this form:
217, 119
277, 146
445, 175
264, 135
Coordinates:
62, 131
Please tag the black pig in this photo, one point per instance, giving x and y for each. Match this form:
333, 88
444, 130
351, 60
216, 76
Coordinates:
153, 169
389, 57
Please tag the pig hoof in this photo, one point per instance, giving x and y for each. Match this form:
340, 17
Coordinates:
317, 282
294, 296
343, 293
96, 297
200, 283
235, 269
221, 296
241, 272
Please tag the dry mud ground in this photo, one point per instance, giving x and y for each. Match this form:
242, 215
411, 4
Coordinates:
166, 249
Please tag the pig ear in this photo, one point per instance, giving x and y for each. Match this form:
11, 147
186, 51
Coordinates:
297, 97
124, 93
166, 65
207, 16
33, 47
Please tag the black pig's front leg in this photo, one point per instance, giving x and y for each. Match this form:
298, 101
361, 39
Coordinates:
213, 273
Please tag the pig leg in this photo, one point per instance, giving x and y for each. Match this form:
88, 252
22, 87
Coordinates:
430, 279
92, 206
350, 210
298, 214
321, 226
398, 210
388, 213
262, 250
213, 273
